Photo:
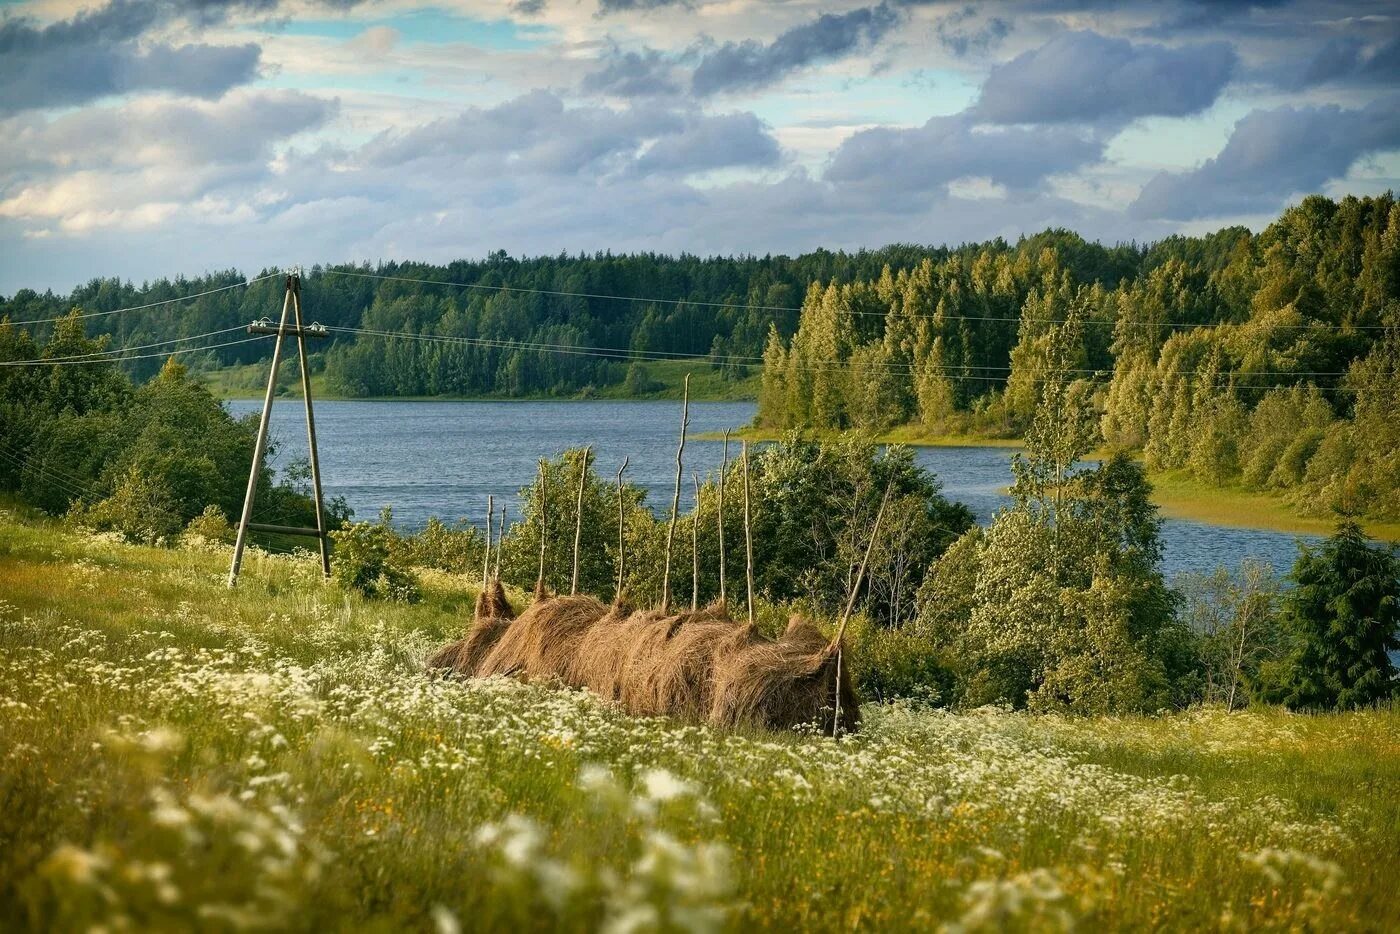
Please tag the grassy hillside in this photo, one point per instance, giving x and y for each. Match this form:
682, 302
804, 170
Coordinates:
179, 755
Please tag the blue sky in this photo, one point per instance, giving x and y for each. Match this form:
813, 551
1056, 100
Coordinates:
144, 138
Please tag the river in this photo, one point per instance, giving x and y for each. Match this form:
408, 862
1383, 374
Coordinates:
431, 458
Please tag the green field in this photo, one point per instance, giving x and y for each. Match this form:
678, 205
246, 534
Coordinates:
181, 756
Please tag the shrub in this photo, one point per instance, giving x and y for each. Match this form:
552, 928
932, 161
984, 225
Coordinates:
141, 510
211, 525
362, 563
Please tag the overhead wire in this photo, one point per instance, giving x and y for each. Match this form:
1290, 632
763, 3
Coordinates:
618, 353
122, 359
166, 301
798, 308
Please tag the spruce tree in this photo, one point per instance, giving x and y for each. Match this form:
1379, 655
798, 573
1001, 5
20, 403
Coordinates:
1342, 616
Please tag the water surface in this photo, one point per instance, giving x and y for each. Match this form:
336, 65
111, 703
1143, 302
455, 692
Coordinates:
443, 458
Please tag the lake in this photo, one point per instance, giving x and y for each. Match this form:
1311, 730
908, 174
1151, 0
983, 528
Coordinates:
443, 458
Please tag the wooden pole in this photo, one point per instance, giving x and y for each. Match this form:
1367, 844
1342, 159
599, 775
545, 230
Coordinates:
544, 527
695, 549
850, 605
500, 540
748, 531
723, 468
578, 516
490, 517
860, 574
621, 536
675, 499
260, 445
311, 431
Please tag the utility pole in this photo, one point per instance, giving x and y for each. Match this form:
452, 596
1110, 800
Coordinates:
291, 303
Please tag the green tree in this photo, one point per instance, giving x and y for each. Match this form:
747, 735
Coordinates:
1341, 617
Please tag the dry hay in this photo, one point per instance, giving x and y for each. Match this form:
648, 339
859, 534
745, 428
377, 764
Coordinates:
493, 617
539, 642
783, 683
700, 667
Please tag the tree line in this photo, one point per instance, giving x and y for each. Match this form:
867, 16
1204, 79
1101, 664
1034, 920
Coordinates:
1269, 360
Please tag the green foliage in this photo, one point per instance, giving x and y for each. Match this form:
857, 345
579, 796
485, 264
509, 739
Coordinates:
458, 549
211, 525
141, 509
84, 438
362, 563
1060, 604
1222, 352
1342, 617
1235, 617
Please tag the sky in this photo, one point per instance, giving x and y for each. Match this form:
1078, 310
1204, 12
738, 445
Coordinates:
150, 138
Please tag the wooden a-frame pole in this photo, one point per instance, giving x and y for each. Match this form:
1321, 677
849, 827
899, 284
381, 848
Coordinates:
578, 516
723, 468
291, 304
621, 536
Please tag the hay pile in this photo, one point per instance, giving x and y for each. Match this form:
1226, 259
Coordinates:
699, 666
492, 619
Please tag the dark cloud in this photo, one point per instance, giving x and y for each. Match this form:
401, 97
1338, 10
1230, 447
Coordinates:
1346, 60
1086, 77
98, 53
634, 74
530, 135
727, 140
739, 66
1271, 155
528, 7
624, 6
897, 163
961, 31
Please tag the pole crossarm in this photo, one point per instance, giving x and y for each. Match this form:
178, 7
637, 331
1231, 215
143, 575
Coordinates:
265, 326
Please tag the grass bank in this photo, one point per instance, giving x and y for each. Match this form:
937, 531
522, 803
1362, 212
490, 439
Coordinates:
178, 755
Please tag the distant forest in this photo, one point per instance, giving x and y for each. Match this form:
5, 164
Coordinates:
720, 307
1270, 361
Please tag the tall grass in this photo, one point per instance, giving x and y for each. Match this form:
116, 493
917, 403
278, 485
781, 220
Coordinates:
177, 755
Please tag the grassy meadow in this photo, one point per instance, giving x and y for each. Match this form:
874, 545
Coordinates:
178, 755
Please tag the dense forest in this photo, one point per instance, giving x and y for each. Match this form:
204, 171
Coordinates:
496, 315
1269, 360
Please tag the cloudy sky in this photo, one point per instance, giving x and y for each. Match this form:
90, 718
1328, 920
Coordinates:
141, 138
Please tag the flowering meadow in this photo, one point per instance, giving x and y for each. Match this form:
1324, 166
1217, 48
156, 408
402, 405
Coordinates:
177, 755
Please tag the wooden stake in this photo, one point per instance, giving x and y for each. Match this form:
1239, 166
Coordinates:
544, 526
850, 604
675, 499
621, 536
578, 516
860, 574
490, 517
500, 538
695, 549
748, 532
723, 468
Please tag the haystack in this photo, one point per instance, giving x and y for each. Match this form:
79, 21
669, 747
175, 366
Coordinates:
701, 667
493, 617
782, 683
538, 643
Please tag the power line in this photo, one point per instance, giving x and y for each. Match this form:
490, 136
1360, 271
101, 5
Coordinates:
70, 484
114, 359
167, 301
878, 314
617, 353
173, 340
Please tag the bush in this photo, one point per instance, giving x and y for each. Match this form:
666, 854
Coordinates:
898, 663
211, 525
362, 563
141, 510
